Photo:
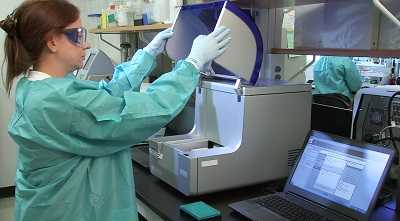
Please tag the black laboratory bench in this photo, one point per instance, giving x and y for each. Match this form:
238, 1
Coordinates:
164, 200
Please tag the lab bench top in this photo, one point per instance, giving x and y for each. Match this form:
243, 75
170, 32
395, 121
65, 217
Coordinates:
164, 200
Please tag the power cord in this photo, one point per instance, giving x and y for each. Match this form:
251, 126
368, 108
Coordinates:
391, 123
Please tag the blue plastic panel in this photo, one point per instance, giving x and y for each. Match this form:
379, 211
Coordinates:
201, 19
193, 20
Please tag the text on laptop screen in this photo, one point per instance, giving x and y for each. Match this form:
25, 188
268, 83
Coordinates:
345, 174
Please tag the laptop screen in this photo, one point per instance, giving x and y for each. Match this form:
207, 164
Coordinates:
341, 171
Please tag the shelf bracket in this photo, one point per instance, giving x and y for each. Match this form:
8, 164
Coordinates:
303, 69
109, 43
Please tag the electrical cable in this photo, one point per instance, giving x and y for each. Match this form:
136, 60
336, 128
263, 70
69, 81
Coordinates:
388, 127
385, 139
389, 123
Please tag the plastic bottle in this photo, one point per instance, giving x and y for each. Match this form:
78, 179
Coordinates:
160, 9
112, 10
130, 13
122, 16
104, 20
148, 13
137, 8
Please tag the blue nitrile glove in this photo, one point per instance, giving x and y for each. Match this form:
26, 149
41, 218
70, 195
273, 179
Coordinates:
157, 45
206, 48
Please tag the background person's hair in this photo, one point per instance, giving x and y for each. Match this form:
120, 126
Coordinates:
28, 29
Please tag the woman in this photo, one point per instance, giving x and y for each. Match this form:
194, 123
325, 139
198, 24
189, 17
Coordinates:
74, 136
336, 75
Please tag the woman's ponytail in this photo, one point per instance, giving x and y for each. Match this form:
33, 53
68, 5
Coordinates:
17, 58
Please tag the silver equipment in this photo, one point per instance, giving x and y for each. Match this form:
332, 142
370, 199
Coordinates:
97, 66
237, 140
245, 131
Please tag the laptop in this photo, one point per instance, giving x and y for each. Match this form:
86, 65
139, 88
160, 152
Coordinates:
335, 178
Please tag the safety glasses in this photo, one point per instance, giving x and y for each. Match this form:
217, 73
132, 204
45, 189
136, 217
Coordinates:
76, 35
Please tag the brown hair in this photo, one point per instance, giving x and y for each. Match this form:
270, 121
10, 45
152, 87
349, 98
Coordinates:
28, 29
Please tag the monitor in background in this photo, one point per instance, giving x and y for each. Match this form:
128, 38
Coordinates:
89, 61
97, 66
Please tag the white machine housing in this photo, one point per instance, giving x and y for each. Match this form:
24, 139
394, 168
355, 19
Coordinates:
238, 139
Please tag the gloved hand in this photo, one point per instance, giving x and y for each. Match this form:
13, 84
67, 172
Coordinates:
206, 48
157, 45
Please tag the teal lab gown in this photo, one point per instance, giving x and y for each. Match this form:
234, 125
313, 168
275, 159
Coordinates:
74, 139
336, 75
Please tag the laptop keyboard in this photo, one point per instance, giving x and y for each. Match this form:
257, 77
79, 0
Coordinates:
288, 209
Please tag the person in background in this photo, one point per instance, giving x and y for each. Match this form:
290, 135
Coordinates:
336, 75
74, 136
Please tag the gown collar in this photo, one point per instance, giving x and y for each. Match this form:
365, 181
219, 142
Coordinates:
37, 76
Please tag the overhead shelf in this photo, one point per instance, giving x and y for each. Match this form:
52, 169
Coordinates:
277, 3
338, 52
129, 29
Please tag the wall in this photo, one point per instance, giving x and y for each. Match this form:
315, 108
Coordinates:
8, 149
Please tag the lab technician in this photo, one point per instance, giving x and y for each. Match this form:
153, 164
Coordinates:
74, 136
336, 75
